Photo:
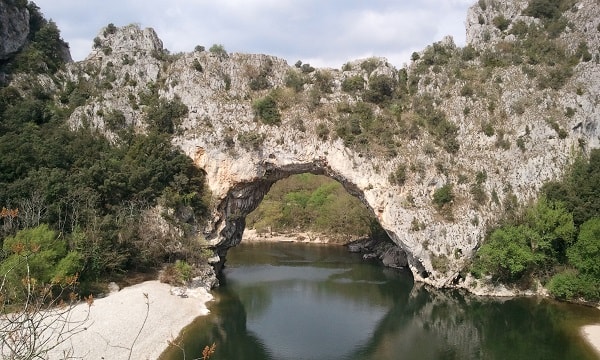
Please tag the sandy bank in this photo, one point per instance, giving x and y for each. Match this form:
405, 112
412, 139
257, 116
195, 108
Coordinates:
114, 322
592, 335
251, 235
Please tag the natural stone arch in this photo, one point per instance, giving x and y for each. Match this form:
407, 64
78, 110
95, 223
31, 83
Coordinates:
243, 198
229, 219
243, 155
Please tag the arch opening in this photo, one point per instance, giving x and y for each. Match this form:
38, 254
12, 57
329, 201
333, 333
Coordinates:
244, 197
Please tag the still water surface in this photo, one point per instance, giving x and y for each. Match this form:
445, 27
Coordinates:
297, 301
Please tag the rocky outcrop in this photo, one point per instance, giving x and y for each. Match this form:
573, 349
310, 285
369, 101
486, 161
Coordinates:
388, 253
510, 134
14, 28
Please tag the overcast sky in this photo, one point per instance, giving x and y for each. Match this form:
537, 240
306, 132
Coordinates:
324, 33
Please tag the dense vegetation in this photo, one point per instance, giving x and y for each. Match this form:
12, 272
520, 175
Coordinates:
75, 204
555, 240
313, 203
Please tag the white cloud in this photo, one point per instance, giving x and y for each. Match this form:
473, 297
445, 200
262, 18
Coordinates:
326, 33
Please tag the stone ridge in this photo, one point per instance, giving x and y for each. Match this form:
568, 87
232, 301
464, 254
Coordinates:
508, 128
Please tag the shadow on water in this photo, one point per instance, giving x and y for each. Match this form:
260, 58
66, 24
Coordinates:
284, 301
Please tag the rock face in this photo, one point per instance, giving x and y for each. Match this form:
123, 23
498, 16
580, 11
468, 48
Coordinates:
389, 254
14, 28
511, 134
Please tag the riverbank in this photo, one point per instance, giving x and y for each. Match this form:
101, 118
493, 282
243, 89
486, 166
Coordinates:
592, 334
113, 322
251, 235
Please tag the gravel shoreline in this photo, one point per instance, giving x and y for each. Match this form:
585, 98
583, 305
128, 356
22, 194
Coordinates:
592, 334
115, 321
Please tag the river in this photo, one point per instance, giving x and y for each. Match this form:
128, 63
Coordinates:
300, 301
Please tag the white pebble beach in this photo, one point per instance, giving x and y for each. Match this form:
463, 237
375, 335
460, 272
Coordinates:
592, 335
114, 322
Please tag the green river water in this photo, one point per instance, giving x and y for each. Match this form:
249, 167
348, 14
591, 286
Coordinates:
297, 301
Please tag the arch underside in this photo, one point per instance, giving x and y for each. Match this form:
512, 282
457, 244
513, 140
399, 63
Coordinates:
244, 197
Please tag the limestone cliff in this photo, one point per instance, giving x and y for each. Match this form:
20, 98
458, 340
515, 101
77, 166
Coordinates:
14, 28
438, 151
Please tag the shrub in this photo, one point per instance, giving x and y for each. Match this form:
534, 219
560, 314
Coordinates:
178, 273
556, 77
322, 131
416, 225
115, 120
547, 9
324, 81
266, 110
564, 285
487, 128
227, 81
306, 68
480, 177
251, 140
507, 254
294, 80
218, 50
353, 84
562, 133
259, 82
110, 29
584, 254
583, 52
398, 176
37, 253
443, 196
478, 193
521, 144
369, 65
380, 89
197, 66
570, 112
164, 116
501, 22
519, 29
468, 53
440, 263
466, 91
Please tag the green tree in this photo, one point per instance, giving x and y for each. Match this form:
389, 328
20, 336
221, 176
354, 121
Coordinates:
508, 253
380, 88
219, 50
37, 254
554, 226
165, 115
584, 255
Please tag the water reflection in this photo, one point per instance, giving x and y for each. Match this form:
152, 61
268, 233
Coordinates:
282, 301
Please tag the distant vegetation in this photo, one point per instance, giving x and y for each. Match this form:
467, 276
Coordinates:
314, 203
